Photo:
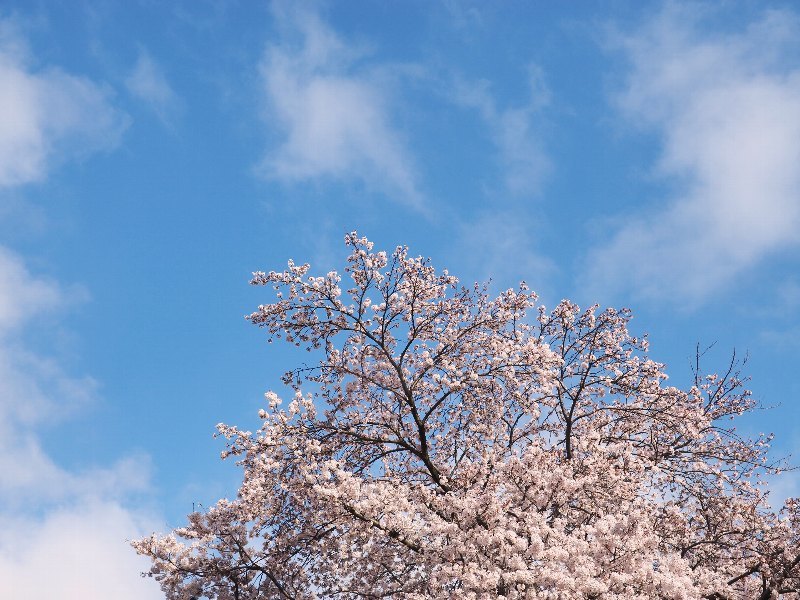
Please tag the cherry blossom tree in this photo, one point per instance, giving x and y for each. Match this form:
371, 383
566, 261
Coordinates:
451, 444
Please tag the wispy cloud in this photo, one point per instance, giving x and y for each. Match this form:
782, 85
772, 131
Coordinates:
30, 295
48, 115
25, 377
74, 553
333, 112
463, 14
726, 107
148, 82
500, 242
515, 131
74, 522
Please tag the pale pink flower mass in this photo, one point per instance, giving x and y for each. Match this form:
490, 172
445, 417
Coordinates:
450, 444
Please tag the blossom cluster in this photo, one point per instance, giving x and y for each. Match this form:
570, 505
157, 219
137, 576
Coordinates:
451, 444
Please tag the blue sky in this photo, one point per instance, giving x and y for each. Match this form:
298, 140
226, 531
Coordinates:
153, 155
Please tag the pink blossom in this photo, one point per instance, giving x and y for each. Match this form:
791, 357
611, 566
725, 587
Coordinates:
448, 445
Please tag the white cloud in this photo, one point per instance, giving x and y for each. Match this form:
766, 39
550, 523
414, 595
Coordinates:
29, 381
514, 131
47, 115
727, 110
75, 522
148, 83
63, 531
21, 295
77, 553
333, 115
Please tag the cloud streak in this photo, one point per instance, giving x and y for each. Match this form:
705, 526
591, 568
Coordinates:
74, 523
148, 83
76, 553
47, 115
62, 532
726, 108
514, 132
333, 113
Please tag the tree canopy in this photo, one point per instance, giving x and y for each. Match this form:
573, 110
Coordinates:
452, 444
